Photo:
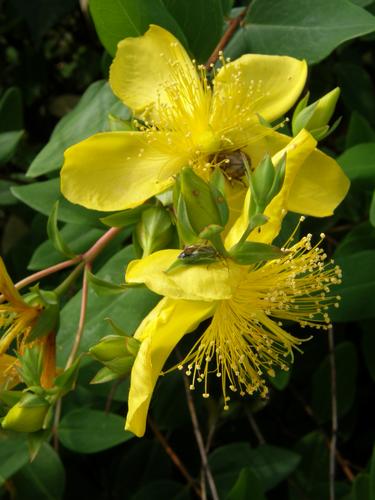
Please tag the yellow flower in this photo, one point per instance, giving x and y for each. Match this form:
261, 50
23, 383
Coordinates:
246, 339
184, 119
8, 372
16, 316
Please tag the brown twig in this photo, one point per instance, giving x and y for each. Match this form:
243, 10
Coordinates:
199, 440
82, 318
229, 32
333, 441
87, 257
254, 426
174, 457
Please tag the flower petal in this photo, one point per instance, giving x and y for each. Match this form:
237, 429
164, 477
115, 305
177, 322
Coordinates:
319, 187
254, 83
146, 66
207, 282
118, 170
7, 288
160, 332
320, 184
8, 372
296, 151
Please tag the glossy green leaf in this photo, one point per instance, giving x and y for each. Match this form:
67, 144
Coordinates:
88, 117
251, 252
13, 454
11, 116
357, 289
89, 431
125, 309
368, 346
43, 478
271, 464
359, 131
192, 17
372, 209
358, 163
346, 363
247, 486
124, 218
361, 237
103, 287
118, 19
54, 234
41, 196
300, 28
79, 238
161, 490
361, 487
8, 145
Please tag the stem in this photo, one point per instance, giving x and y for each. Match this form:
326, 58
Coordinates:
67, 283
102, 242
82, 318
232, 27
175, 458
254, 426
333, 441
199, 440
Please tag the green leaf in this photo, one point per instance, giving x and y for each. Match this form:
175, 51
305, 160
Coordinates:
346, 376
8, 145
90, 431
247, 486
361, 237
87, 118
357, 289
192, 16
162, 490
125, 218
372, 209
251, 252
300, 28
43, 478
79, 238
359, 131
270, 463
6, 197
118, 19
13, 454
41, 196
358, 163
361, 487
11, 117
126, 309
103, 287
368, 346
54, 233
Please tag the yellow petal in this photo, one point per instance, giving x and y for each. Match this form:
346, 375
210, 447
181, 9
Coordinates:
268, 85
147, 66
203, 282
319, 187
160, 332
118, 170
8, 373
7, 288
296, 151
320, 184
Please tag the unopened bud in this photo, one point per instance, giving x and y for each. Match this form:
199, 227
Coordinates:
115, 346
28, 415
154, 231
200, 201
316, 116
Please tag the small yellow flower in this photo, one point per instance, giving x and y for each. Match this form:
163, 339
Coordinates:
16, 316
184, 118
246, 339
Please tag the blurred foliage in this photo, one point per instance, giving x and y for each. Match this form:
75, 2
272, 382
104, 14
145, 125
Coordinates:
53, 78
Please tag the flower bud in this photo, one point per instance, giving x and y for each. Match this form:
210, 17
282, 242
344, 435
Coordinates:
28, 415
154, 231
265, 182
115, 346
315, 117
200, 201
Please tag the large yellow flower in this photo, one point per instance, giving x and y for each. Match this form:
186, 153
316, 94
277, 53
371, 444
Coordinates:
185, 119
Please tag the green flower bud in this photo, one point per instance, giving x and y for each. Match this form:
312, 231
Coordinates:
28, 415
200, 200
154, 231
115, 346
317, 115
